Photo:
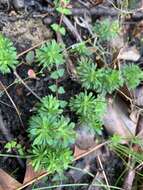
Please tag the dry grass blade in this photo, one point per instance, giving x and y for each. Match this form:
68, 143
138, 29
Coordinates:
14, 105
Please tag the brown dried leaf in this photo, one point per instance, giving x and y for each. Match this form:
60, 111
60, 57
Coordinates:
117, 120
7, 182
30, 173
78, 151
129, 53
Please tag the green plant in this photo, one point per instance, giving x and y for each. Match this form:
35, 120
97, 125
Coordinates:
49, 159
51, 134
58, 28
81, 49
133, 75
8, 55
107, 29
50, 54
48, 129
103, 80
62, 6
56, 75
13, 145
89, 109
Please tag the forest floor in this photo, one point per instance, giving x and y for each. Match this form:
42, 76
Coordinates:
28, 24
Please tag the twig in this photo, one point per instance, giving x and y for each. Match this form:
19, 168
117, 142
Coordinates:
33, 181
20, 79
90, 151
100, 163
31, 48
69, 64
14, 105
72, 29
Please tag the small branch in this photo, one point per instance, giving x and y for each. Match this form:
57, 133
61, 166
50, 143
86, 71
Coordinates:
14, 105
100, 163
72, 29
26, 86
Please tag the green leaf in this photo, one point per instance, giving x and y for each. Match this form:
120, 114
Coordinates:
54, 75
30, 57
53, 88
58, 28
63, 103
61, 72
57, 74
64, 11
133, 75
62, 31
61, 90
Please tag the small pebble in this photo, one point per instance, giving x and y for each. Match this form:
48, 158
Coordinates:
18, 4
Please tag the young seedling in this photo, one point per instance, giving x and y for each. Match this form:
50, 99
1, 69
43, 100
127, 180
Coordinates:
102, 80
107, 29
50, 57
51, 135
89, 109
133, 75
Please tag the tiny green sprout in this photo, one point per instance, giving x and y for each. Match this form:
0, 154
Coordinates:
10, 145
103, 80
14, 145
133, 75
89, 109
50, 54
8, 55
62, 7
112, 80
58, 28
107, 29
49, 159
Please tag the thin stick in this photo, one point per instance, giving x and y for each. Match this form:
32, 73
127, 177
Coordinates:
72, 29
26, 86
90, 151
32, 181
100, 163
31, 48
14, 105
